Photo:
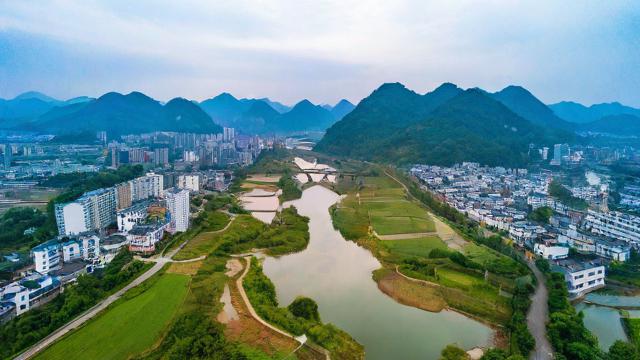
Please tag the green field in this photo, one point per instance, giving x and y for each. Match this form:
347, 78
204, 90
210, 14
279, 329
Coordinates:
206, 242
130, 326
382, 204
413, 247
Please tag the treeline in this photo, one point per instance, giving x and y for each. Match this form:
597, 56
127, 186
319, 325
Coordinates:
564, 195
300, 317
32, 326
566, 331
522, 342
14, 224
290, 190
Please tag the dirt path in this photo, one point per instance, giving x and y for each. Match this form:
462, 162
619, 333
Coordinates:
537, 318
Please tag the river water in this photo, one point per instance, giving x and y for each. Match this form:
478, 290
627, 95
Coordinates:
336, 273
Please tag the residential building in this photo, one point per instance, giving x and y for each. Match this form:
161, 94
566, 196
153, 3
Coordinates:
52, 254
94, 210
145, 187
551, 252
123, 196
131, 216
615, 225
161, 156
581, 277
178, 206
617, 250
26, 293
143, 238
189, 182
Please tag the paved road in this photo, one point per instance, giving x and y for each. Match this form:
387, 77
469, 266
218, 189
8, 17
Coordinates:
89, 314
537, 318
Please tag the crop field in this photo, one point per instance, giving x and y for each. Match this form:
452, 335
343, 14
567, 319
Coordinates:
130, 326
420, 247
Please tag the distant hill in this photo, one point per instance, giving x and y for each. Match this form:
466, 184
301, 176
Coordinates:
522, 102
262, 116
342, 108
279, 107
620, 125
304, 116
578, 113
445, 126
27, 106
120, 114
224, 108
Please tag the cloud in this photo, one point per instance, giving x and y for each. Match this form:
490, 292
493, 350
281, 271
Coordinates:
326, 50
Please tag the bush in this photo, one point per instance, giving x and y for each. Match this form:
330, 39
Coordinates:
305, 307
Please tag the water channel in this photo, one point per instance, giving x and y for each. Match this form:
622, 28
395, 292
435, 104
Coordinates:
337, 274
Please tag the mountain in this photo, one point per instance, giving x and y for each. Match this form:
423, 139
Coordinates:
445, 126
342, 108
304, 116
522, 102
578, 113
29, 105
261, 116
257, 118
279, 107
390, 108
224, 108
620, 125
37, 95
120, 114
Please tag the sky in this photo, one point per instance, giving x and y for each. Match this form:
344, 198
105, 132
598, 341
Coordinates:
585, 51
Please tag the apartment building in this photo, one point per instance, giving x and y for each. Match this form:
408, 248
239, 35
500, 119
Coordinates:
178, 206
189, 182
53, 254
94, 210
615, 225
26, 293
133, 215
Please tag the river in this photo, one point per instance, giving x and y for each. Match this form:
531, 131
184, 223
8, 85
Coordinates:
336, 273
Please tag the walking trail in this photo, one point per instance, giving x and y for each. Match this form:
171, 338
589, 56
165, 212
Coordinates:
537, 318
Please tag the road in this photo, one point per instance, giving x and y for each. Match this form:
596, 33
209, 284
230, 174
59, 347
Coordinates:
537, 318
160, 262
89, 314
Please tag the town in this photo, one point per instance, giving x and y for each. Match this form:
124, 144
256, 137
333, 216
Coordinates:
137, 214
528, 208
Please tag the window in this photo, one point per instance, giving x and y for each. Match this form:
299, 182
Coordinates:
592, 273
599, 271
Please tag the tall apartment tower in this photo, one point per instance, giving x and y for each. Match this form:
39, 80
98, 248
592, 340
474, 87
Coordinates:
178, 206
161, 156
8, 155
94, 210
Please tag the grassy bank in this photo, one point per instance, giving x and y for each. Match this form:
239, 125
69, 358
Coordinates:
301, 317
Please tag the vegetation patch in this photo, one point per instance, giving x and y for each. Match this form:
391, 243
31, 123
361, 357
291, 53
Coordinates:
129, 327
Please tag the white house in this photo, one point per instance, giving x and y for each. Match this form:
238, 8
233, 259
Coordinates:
581, 277
551, 252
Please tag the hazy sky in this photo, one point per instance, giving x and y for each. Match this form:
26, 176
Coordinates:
321, 50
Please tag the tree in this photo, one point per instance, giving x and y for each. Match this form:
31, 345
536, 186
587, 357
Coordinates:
494, 354
541, 214
622, 350
305, 307
453, 352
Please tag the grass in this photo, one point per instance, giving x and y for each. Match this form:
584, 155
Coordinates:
413, 247
633, 329
128, 327
206, 242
